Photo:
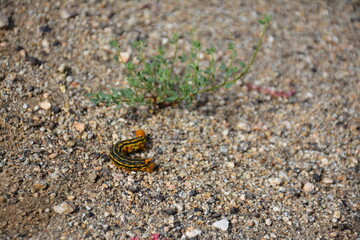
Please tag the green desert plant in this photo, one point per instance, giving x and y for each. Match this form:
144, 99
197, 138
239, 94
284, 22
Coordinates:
154, 82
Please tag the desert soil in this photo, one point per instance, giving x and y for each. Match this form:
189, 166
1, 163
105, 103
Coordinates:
236, 164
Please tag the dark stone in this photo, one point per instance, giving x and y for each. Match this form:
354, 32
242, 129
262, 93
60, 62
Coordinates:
193, 193
171, 211
55, 109
45, 29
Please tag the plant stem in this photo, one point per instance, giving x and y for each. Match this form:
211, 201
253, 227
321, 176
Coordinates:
246, 69
173, 60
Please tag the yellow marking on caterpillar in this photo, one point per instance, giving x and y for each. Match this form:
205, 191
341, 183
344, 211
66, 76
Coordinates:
120, 151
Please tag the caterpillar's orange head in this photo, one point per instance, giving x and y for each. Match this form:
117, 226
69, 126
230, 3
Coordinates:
140, 133
151, 167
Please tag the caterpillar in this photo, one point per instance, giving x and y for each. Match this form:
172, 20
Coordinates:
120, 151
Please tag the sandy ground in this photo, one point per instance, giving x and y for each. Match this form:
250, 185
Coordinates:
237, 164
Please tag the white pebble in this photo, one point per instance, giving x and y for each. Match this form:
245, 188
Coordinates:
62, 68
223, 149
268, 222
328, 181
64, 208
275, 181
191, 232
45, 43
222, 224
125, 56
276, 209
230, 164
337, 214
225, 132
164, 41
243, 197
66, 14
324, 162
243, 126
46, 105
308, 187
54, 175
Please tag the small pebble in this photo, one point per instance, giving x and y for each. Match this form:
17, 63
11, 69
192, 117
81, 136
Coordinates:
268, 222
125, 56
230, 164
56, 109
33, 61
54, 175
61, 68
46, 105
317, 177
243, 126
324, 162
22, 53
223, 149
4, 21
225, 132
328, 181
90, 136
93, 177
308, 187
70, 143
191, 232
216, 215
39, 185
171, 211
243, 197
66, 14
244, 146
2, 199
3, 44
334, 235
276, 209
64, 208
80, 127
44, 29
52, 155
275, 181
234, 210
193, 193
52, 195
69, 79
45, 44
70, 197
337, 214
251, 223
222, 224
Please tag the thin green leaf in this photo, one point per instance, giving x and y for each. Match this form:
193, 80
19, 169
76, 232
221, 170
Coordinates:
183, 58
223, 67
229, 85
231, 46
196, 44
242, 64
265, 20
174, 39
114, 43
211, 50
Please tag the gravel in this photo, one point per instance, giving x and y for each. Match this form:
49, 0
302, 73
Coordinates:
237, 164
